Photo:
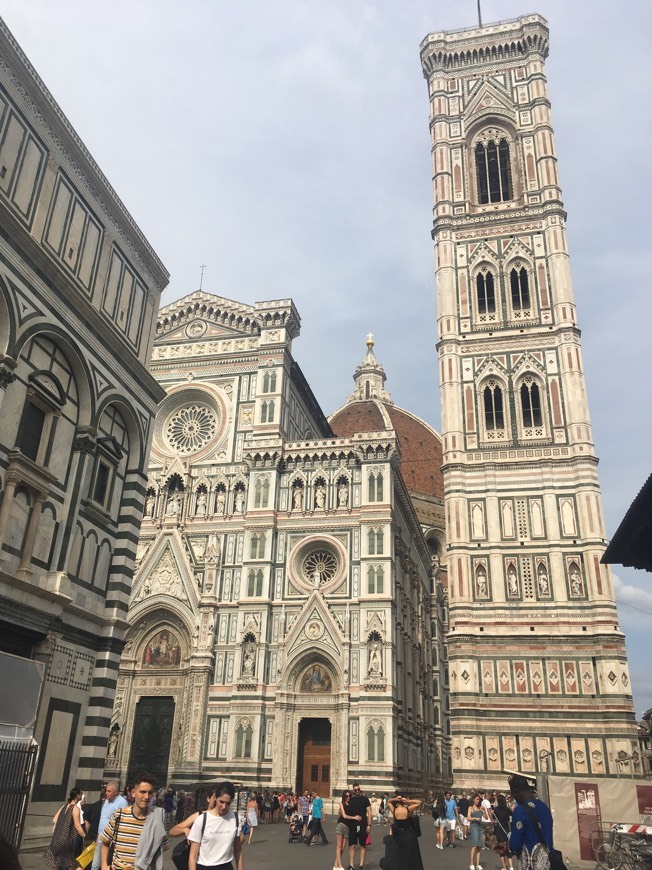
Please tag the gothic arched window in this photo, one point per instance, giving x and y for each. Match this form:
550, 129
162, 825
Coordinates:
494, 417
257, 546
261, 493
486, 294
243, 734
376, 486
267, 412
493, 171
375, 580
520, 287
255, 584
530, 403
269, 382
376, 743
375, 542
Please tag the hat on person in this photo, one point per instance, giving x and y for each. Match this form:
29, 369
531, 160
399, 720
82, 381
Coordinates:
518, 782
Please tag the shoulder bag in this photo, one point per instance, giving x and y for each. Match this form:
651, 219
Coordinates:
556, 858
181, 851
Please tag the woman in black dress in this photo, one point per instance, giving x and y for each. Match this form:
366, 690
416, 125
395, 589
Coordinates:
402, 845
67, 836
502, 827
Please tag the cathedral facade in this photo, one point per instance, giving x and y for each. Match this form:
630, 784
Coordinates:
288, 609
538, 668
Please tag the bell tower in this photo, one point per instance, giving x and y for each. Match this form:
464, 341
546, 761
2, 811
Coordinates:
537, 661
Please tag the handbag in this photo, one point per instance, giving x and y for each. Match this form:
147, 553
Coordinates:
86, 856
109, 859
555, 856
181, 851
415, 821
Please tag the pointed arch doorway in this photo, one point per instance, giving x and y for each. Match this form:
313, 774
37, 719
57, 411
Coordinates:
314, 761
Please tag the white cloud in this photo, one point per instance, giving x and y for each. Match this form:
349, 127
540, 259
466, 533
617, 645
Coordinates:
634, 595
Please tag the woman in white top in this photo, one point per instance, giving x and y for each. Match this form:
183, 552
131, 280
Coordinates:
219, 843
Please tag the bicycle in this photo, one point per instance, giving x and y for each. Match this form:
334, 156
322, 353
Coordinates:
617, 848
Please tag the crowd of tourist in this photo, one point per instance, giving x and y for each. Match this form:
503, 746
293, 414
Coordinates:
131, 830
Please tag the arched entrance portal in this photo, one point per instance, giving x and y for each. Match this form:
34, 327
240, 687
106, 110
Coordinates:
150, 744
314, 762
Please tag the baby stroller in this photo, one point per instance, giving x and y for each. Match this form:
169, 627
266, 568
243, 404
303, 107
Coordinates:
296, 828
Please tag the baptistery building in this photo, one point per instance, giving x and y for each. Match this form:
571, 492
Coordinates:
288, 608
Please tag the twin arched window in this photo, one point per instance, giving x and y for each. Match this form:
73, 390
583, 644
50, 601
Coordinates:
257, 550
530, 403
243, 735
269, 382
529, 399
255, 583
261, 493
375, 580
375, 743
493, 171
492, 397
267, 412
376, 486
485, 286
375, 538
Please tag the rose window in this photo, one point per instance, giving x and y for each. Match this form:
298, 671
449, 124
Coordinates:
191, 428
320, 565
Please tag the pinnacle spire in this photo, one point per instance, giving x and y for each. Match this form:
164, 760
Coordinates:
370, 376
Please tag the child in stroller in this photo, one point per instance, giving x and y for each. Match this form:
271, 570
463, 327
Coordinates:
296, 828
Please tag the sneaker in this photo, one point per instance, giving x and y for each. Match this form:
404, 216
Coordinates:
479, 867
471, 866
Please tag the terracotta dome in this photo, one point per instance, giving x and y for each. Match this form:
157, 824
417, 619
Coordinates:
370, 409
420, 445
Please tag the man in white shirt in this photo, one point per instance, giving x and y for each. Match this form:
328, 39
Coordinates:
213, 838
487, 828
113, 801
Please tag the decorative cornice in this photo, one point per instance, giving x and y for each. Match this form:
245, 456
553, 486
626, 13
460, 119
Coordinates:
49, 116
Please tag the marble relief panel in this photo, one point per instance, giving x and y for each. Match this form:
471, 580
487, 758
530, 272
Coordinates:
561, 755
492, 750
528, 758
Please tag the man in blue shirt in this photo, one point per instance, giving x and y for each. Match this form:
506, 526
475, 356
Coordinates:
113, 801
452, 815
524, 831
317, 816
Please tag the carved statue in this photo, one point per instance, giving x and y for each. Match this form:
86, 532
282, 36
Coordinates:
576, 583
174, 505
239, 501
316, 578
200, 509
342, 495
482, 584
297, 498
220, 503
544, 585
112, 746
149, 506
249, 659
320, 497
375, 666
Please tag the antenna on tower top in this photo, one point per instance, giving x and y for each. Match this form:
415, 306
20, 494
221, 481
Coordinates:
479, 15
201, 280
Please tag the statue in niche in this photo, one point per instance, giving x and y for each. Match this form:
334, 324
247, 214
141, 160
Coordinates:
249, 659
542, 580
316, 578
320, 497
375, 664
512, 581
297, 498
202, 501
149, 505
342, 495
112, 745
576, 581
220, 503
174, 505
481, 580
239, 501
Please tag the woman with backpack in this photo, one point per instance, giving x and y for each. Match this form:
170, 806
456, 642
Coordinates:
213, 838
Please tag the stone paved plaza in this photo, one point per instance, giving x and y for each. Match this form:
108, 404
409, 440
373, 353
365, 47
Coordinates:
272, 851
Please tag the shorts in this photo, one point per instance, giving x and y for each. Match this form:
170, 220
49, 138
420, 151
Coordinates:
440, 823
450, 824
342, 830
306, 819
358, 835
466, 822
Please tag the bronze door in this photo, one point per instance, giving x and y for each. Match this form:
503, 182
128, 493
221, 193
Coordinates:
314, 767
150, 742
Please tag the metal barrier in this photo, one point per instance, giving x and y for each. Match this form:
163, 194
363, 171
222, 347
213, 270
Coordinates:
17, 764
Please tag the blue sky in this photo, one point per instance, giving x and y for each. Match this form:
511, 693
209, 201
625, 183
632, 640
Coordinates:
284, 143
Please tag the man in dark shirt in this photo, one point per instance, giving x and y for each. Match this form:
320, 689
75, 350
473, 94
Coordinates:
359, 805
524, 831
463, 805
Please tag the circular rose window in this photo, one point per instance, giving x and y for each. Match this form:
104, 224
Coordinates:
319, 567
190, 428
